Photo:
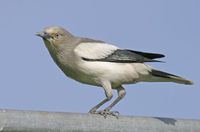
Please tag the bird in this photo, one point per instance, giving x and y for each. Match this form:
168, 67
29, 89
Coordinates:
95, 62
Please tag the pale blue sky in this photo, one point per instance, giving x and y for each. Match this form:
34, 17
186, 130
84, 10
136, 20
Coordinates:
31, 81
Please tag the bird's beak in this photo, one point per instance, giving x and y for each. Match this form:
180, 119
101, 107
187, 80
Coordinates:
42, 35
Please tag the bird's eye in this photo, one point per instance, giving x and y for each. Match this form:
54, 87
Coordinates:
57, 35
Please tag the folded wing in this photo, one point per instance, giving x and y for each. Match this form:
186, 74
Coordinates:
109, 53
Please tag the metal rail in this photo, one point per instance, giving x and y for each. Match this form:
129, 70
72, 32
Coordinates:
37, 121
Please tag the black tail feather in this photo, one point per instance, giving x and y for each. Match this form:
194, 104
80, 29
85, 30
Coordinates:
170, 77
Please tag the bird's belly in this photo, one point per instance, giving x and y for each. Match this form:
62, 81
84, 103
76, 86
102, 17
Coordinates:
73, 71
116, 73
79, 76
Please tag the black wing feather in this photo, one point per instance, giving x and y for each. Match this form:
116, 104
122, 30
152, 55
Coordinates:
148, 55
128, 56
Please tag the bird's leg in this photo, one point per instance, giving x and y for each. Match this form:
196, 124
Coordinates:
108, 92
93, 110
121, 94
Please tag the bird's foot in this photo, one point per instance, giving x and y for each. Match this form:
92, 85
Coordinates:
107, 112
92, 111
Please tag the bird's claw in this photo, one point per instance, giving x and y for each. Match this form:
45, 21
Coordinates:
92, 112
106, 112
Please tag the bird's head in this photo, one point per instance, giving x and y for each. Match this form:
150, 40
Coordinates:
55, 35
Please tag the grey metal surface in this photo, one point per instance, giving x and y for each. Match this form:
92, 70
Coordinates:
36, 121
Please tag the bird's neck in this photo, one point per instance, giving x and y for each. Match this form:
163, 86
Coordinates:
52, 50
62, 54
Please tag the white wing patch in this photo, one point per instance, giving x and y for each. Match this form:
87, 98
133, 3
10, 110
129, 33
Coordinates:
94, 50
